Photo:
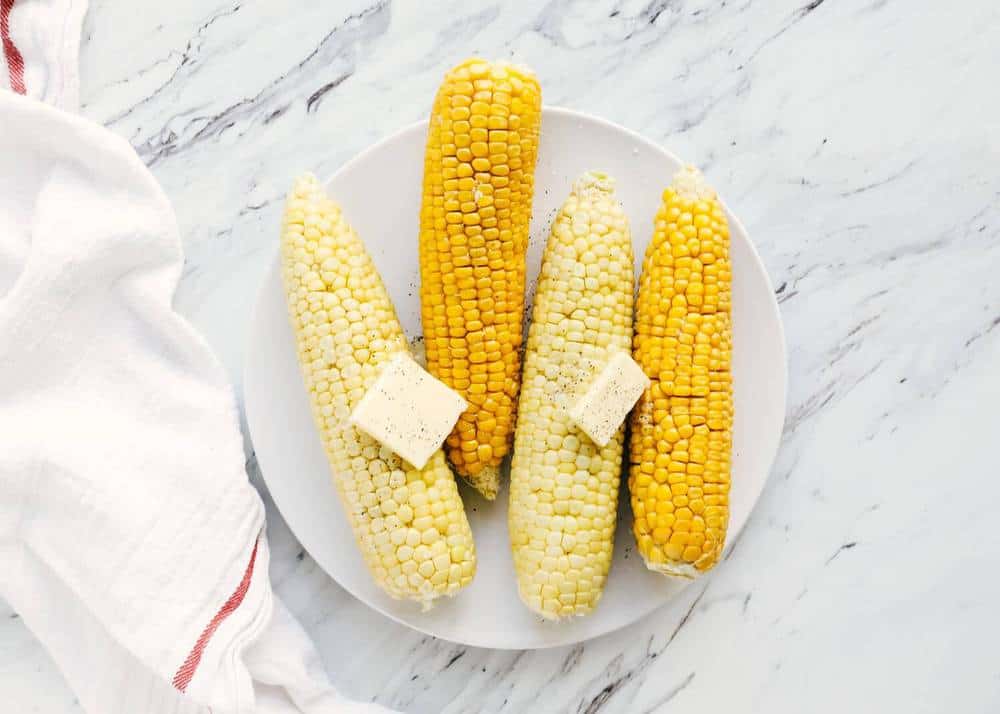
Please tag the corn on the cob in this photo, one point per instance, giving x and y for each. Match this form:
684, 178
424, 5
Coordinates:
681, 428
409, 523
564, 488
478, 182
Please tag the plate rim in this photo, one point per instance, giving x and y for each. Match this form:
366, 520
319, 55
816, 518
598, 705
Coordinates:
420, 125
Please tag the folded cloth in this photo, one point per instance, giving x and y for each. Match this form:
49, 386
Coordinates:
131, 541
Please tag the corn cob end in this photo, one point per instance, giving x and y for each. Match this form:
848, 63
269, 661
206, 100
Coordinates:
592, 184
675, 570
689, 184
486, 481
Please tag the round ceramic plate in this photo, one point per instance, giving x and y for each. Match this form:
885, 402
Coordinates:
380, 194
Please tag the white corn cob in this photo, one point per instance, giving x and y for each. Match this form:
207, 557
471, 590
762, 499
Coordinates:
409, 523
564, 488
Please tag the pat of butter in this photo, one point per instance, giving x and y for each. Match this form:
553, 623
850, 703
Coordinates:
408, 411
609, 399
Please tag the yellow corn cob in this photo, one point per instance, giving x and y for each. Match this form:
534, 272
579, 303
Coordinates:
564, 488
681, 428
478, 180
409, 523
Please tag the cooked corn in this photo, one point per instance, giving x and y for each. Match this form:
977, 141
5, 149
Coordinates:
681, 428
409, 523
478, 180
564, 488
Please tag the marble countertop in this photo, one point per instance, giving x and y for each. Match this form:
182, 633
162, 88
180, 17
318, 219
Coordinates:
859, 142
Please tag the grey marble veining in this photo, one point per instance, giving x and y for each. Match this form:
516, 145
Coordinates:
858, 141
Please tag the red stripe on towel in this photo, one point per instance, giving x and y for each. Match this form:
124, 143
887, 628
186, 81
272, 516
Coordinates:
15, 62
187, 670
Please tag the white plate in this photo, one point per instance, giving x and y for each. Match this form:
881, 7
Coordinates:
380, 194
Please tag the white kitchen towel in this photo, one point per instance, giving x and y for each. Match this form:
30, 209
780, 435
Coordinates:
130, 539
41, 47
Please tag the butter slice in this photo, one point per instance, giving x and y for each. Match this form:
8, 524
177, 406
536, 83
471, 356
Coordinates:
408, 411
609, 399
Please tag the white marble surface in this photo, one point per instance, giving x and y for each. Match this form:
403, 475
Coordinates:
859, 141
